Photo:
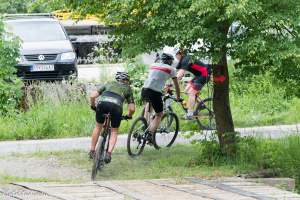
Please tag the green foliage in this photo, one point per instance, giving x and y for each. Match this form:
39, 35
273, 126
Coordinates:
265, 36
149, 25
258, 100
262, 99
105, 53
54, 110
13, 6
138, 73
269, 41
209, 153
10, 86
47, 120
45, 6
254, 154
30, 6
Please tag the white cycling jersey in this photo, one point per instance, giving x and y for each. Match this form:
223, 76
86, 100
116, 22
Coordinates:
158, 76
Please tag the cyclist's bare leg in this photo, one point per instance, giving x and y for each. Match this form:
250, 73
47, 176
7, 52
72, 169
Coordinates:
95, 135
156, 121
192, 94
148, 111
113, 139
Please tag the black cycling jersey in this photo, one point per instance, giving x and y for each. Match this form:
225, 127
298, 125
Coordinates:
197, 68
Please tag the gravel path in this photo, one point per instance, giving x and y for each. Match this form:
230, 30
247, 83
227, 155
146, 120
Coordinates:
29, 146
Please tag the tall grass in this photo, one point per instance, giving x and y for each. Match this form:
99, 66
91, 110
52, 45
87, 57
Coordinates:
55, 111
281, 156
62, 110
260, 101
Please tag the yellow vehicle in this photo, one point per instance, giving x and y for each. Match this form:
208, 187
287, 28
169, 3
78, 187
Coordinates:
67, 15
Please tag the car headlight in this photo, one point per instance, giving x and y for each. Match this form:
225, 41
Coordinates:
67, 56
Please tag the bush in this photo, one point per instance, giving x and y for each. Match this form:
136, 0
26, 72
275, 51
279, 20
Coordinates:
105, 53
258, 101
256, 154
10, 85
13, 6
138, 74
53, 110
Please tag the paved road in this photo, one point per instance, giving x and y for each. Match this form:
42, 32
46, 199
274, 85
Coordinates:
83, 143
98, 73
163, 189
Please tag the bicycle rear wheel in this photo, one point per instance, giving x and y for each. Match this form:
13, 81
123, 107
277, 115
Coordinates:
98, 159
167, 132
205, 116
136, 138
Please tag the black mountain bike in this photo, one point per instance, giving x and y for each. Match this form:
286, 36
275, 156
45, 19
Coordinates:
203, 113
102, 146
164, 136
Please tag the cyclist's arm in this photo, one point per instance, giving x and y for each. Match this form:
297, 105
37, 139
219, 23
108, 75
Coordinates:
180, 74
131, 109
96, 94
130, 101
93, 98
177, 88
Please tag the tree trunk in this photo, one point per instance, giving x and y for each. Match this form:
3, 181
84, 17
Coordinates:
221, 105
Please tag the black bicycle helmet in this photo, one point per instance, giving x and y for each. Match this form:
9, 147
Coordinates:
122, 76
167, 58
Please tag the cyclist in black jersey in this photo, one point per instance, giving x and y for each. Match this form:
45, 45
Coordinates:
201, 74
109, 99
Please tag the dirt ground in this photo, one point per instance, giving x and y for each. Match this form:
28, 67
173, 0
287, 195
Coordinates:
41, 168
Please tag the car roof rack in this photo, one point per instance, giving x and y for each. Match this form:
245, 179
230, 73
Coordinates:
29, 16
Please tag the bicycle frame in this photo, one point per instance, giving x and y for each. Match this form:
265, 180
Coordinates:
169, 95
108, 129
106, 132
100, 150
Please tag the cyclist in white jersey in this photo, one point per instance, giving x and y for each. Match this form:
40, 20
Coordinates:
152, 90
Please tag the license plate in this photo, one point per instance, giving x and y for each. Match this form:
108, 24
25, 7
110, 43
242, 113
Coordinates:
42, 68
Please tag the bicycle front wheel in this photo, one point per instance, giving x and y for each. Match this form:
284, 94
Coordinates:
205, 115
167, 132
136, 137
98, 161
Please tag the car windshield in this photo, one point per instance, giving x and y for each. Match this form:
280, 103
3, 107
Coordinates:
36, 31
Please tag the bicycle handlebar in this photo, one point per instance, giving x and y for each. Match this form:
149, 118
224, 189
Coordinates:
173, 98
126, 117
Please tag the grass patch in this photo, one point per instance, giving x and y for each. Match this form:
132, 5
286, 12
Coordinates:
6, 179
260, 101
75, 119
166, 163
48, 121
254, 156
257, 156
153, 164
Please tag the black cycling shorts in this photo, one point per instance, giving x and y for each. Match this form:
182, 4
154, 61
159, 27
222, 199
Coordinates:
199, 81
155, 98
114, 110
